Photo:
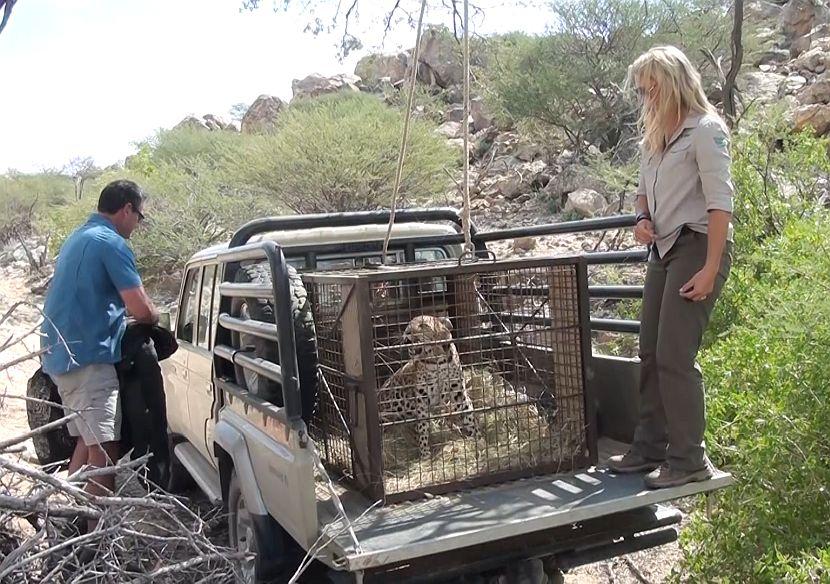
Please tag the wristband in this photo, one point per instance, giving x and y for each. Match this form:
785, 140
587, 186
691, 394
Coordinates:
641, 216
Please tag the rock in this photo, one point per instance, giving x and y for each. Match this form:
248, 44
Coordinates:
191, 123
813, 61
800, 45
524, 244
521, 199
456, 114
759, 10
792, 84
450, 130
818, 92
510, 186
798, 17
315, 85
440, 58
261, 117
19, 254
815, 116
481, 117
218, 123
374, 68
760, 87
586, 202
529, 151
772, 56
571, 178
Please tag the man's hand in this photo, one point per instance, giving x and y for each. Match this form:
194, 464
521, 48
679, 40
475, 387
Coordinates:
644, 232
139, 305
700, 286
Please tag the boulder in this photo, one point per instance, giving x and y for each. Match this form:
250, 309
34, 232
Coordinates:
761, 10
760, 87
315, 85
772, 56
818, 92
571, 178
813, 61
798, 17
524, 244
792, 84
481, 117
374, 68
456, 114
191, 123
450, 130
815, 116
440, 58
261, 117
215, 123
586, 203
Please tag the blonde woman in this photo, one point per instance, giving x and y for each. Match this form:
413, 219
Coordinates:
684, 211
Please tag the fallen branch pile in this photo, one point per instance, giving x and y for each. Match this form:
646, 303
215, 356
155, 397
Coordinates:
141, 537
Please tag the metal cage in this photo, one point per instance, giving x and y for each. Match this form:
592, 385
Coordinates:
436, 378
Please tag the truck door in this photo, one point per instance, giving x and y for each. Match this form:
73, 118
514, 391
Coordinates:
176, 373
200, 394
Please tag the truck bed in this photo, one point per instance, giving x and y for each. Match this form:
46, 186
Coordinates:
389, 534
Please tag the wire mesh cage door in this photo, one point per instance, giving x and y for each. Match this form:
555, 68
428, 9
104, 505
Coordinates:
468, 375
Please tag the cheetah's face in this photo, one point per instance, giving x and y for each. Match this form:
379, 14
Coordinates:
430, 336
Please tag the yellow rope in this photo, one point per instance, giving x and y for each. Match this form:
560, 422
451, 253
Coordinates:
416, 55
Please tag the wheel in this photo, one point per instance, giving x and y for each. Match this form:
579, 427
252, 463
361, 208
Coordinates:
57, 444
179, 479
260, 536
305, 338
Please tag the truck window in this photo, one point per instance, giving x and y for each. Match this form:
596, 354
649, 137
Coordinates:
205, 306
187, 313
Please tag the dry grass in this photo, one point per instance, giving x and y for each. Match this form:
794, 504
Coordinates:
515, 434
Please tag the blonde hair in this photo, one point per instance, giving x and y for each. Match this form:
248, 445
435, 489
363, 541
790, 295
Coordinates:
680, 92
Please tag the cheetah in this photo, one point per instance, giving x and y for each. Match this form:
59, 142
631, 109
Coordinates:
432, 378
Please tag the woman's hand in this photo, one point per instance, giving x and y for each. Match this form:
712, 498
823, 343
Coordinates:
644, 232
700, 286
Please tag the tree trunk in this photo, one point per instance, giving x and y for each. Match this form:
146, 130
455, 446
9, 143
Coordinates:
729, 88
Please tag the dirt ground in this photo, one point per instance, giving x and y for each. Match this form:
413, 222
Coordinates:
651, 566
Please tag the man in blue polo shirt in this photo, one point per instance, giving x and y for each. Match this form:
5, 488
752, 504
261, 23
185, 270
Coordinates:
96, 283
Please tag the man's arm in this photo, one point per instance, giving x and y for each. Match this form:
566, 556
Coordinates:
139, 305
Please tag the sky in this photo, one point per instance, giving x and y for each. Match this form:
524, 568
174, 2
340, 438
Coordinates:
91, 77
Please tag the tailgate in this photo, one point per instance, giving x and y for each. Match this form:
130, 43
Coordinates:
411, 530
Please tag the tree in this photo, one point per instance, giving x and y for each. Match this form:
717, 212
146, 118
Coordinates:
7, 6
326, 16
238, 111
81, 170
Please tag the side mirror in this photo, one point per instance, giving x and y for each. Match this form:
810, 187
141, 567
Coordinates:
165, 321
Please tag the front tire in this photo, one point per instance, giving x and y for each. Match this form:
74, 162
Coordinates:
260, 536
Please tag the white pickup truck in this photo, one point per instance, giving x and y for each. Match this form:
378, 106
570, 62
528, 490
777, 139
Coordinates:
239, 415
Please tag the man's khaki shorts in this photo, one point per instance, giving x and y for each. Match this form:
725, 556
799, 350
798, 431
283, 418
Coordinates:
92, 391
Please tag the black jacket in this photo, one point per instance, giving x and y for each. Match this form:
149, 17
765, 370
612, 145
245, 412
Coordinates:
143, 405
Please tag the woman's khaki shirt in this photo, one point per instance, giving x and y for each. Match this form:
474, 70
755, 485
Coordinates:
688, 179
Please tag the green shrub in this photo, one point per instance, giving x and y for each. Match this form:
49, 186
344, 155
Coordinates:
23, 197
568, 83
778, 177
188, 209
768, 400
339, 153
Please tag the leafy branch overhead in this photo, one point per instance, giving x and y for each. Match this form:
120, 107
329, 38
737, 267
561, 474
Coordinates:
327, 17
7, 6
